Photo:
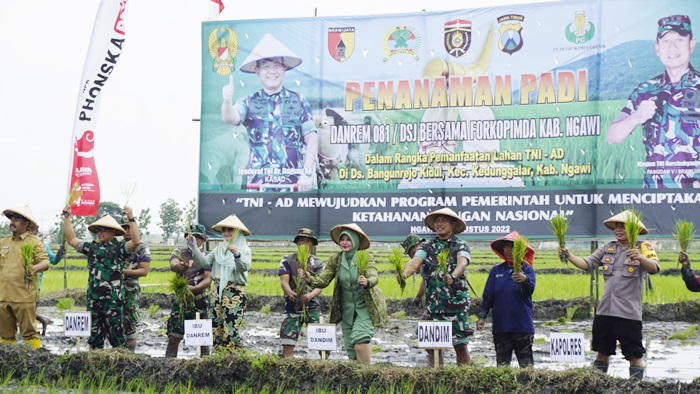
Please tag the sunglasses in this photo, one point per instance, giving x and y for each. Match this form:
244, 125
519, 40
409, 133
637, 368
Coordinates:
101, 229
227, 230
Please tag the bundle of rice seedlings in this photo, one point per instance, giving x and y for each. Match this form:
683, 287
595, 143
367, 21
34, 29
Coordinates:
684, 232
75, 193
236, 232
27, 250
519, 250
362, 261
558, 225
396, 260
127, 192
442, 261
633, 225
303, 253
180, 286
179, 256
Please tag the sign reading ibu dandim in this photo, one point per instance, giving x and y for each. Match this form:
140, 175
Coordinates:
434, 335
198, 333
77, 324
322, 337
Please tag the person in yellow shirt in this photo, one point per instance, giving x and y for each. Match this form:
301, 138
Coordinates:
18, 287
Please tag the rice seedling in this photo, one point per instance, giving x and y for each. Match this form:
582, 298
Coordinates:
234, 236
303, 253
684, 232
75, 192
519, 250
396, 260
558, 226
442, 261
128, 192
362, 262
153, 309
633, 225
183, 294
266, 309
27, 250
65, 304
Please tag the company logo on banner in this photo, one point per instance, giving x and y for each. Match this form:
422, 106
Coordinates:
581, 30
104, 51
458, 37
223, 48
341, 42
401, 40
511, 39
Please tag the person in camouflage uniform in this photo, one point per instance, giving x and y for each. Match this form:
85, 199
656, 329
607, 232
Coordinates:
667, 108
294, 297
447, 295
106, 257
410, 246
137, 266
182, 264
18, 288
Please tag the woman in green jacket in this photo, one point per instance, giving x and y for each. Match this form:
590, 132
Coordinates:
357, 301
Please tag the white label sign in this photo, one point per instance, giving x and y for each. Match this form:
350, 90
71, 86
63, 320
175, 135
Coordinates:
77, 324
435, 335
566, 347
322, 337
198, 333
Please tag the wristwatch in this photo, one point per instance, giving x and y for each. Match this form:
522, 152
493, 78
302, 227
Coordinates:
308, 171
132, 219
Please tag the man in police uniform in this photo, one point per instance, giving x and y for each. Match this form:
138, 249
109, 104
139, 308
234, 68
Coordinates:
18, 288
619, 314
106, 256
447, 294
667, 108
137, 266
295, 296
181, 263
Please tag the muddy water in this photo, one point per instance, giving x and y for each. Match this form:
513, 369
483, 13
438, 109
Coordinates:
397, 344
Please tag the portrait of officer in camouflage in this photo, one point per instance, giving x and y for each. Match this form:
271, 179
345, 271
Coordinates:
199, 278
106, 257
18, 286
295, 298
668, 108
137, 266
447, 295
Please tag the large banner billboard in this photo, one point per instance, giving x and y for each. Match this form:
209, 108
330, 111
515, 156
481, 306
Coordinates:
508, 115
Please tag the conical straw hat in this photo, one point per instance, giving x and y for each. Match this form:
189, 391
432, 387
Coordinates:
498, 245
622, 217
269, 47
364, 239
234, 222
109, 222
460, 226
22, 211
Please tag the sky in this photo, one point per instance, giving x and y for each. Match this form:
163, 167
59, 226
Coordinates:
146, 136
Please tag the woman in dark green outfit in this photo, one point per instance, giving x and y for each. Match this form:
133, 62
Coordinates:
357, 301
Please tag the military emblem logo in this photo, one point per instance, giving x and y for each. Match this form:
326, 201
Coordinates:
401, 40
458, 37
223, 47
511, 39
581, 31
341, 42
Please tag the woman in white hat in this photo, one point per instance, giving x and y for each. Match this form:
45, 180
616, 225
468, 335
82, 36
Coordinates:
618, 317
229, 263
357, 301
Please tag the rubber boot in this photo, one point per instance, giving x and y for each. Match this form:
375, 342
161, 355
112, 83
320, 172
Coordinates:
173, 344
33, 343
600, 366
636, 372
45, 321
131, 345
205, 350
9, 341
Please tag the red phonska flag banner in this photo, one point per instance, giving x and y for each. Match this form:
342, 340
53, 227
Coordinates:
104, 51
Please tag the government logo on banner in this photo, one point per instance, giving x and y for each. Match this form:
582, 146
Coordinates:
511, 39
581, 30
223, 48
401, 40
341, 42
458, 37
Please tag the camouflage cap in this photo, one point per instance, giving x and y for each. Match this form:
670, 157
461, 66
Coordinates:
306, 233
197, 229
411, 241
678, 23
